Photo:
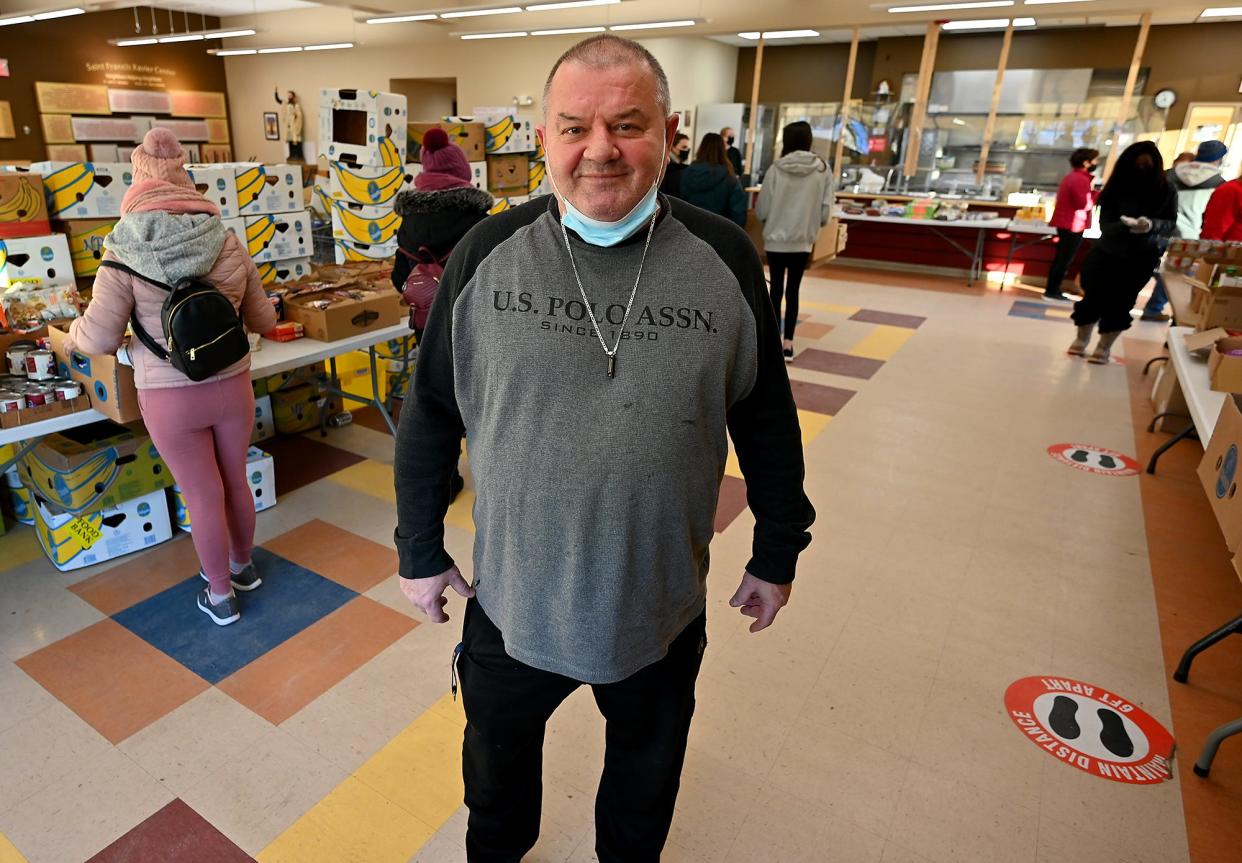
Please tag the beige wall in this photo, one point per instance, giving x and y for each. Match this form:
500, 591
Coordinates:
427, 100
488, 72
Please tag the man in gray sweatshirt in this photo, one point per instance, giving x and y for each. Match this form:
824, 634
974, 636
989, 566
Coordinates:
594, 346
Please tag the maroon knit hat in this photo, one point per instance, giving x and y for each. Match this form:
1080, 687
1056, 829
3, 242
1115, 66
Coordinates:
441, 157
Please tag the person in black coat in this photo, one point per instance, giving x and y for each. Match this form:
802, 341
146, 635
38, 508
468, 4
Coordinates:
677, 159
1138, 211
710, 182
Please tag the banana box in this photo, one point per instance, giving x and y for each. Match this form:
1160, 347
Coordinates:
218, 184
349, 252
74, 541
369, 185
43, 261
509, 203
537, 181
237, 226
478, 173
90, 467
266, 189
279, 272
21, 501
23, 209
362, 224
264, 421
260, 476
508, 133
86, 243
279, 237
84, 190
296, 409
471, 137
321, 196
363, 127
508, 174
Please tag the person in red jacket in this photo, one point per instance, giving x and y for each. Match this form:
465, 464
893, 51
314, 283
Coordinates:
1071, 217
1222, 220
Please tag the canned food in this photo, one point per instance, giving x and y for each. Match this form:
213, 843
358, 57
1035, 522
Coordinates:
41, 365
16, 359
11, 402
66, 390
39, 396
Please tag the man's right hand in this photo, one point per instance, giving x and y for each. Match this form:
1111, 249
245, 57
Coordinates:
427, 594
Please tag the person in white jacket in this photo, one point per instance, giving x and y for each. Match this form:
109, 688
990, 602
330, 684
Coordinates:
795, 202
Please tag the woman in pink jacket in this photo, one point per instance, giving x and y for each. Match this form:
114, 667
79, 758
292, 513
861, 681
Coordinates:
1071, 217
168, 231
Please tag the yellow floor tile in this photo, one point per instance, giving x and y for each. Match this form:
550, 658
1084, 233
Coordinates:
18, 547
369, 477
8, 853
812, 424
461, 512
882, 343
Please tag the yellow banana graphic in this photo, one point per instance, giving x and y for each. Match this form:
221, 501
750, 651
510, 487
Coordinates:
539, 154
69, 186
498, 134
325, 200
86, 249
370, 190
538, 170
70, 539
4, 254
259, 233
390, 156
363, 230
23, 206
353, 253
249, 185
500, 206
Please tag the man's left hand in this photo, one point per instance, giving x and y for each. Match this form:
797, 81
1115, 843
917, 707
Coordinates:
761, 600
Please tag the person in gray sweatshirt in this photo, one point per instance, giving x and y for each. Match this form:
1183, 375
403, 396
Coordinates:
795, 202
596, 347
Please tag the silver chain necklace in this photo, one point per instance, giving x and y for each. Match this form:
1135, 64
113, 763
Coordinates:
611, 354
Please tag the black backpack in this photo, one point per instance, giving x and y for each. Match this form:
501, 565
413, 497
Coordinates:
203, 331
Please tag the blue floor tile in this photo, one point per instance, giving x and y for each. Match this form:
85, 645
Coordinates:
289, 600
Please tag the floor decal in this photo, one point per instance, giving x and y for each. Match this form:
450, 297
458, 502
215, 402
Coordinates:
1092, 729
1094, 459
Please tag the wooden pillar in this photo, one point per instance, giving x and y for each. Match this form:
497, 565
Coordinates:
754, 109
845, 104
918, 118
990, 126
1127, 97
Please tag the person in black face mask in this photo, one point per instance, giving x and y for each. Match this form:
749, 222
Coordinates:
733, 153
678, 156
1138, 209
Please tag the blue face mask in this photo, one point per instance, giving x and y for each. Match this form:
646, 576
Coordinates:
599, 233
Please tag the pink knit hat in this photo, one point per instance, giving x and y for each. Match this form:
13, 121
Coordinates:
439, 157
160, 157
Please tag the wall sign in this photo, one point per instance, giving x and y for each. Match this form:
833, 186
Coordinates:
4, 68
1094, 459
1091, 729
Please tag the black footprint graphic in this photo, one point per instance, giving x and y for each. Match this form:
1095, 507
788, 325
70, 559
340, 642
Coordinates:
1079, 456
1108, 462
1063, 718
1113, 735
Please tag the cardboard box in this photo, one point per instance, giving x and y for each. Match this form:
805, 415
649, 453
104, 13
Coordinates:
279, 237
86, 243
74, 541
109, 383
1224, 370
260, 476
23, 208
502, 204
478, 173
353, 369
1167, 398
26, 416
1213, 307
1219, 472
508, 175
39, 260
236, 226
295, 409
21, 502
363, 127
311, 374
348, 252
87, 468
537, 181
279, 272
218, 184
377, 308
359, 223
507, 132
321, 194
267, 189
264, 419
84, 190
471, 137
830, 242
369, 185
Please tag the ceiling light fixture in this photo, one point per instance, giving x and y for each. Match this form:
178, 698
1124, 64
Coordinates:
653, 25
474, 13
289, 50
181, 37
511, 35
401, 19
565, 31
331, 46
188, 36
59, 13
945, 7
1222, 12
233, 52
569, 4
16, 19
780, 34
1053, 2
126, 43
988, 24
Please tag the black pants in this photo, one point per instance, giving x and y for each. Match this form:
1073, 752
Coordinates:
793, 263
1110, 286
508, 705
1067, 246
295, 151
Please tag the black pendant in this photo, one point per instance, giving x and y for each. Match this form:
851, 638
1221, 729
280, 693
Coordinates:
612, 366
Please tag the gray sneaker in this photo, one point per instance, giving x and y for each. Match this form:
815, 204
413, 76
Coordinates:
247, 579
221, 614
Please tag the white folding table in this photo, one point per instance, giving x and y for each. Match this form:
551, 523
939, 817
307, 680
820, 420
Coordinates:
1204, 402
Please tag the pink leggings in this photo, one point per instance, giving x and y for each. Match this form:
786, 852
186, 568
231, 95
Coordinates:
203, 432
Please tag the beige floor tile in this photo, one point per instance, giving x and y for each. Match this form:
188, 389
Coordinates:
894, 853
949, 819
715, 798
41, 750
23, 697
882, 707
440, 850
33, 621
71, 819
180, 749
282, 779
792, 830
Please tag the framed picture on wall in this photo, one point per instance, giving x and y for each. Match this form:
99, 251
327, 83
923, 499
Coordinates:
271, 126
